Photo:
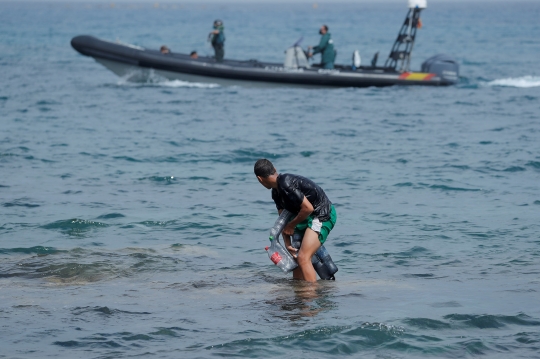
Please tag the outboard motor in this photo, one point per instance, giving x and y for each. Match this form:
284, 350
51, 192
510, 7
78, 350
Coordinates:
295, 58
444, 66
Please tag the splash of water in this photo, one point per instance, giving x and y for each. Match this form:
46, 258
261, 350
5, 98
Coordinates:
148, 77
179, 83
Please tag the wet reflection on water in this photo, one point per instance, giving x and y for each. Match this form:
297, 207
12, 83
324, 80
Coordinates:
298, 300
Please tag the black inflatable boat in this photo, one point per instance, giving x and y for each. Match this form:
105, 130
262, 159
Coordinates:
134, 62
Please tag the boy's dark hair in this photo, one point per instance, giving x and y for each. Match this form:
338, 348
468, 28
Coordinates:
264, 168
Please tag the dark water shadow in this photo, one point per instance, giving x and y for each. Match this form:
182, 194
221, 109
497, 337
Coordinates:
300, 300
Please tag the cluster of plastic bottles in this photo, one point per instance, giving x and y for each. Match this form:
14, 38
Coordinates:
277, 253
280, 256
321, 260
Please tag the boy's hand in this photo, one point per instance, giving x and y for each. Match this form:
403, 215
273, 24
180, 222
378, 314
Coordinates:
289, 229
293, 251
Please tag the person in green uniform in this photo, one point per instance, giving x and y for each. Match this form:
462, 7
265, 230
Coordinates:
217, 38
325, 48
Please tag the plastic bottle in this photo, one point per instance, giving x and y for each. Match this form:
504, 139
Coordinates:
325, 258
278, 254
296, 240
321, 268
284, 218
321, 260
281, 257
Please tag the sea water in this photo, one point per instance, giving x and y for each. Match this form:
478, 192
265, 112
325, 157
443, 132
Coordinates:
131, 224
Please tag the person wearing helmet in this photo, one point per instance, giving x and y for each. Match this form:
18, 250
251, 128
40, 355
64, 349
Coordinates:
217, 38
325, 48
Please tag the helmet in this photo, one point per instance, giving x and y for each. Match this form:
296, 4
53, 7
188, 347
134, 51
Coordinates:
218, 23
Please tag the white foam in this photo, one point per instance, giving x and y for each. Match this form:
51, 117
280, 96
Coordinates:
179, 83
144, 77
523, 82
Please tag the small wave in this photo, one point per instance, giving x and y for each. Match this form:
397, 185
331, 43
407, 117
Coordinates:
120, 339
249, 155
159, 179
170, 332
420, 275
492, 321
308, 153
199, 178
39, 250
127, 158
439, 187
47, 102
74, 227
326, 341
414, 251
448, 188
20, 203
111, 215
103, 310
157, 223
404, 184
528, 337
426, 323
73, 223
522, 82
68, 343
93, 344
459, 167
451, 304
514, 169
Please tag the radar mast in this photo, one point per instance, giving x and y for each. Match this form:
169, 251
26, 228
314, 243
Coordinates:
400, 55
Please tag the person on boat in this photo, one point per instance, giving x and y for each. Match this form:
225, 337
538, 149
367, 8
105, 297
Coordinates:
325, 48
217, 38
194, 55
165, 50
315, 214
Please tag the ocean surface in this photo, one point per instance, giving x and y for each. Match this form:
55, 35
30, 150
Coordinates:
131, 224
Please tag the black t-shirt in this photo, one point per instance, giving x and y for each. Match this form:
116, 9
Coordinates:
290, 193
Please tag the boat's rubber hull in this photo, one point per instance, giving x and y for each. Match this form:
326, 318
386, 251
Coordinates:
123, 59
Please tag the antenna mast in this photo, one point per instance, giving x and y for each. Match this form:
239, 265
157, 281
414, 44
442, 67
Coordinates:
400, 55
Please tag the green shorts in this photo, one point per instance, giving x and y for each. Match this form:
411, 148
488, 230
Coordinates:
323, 228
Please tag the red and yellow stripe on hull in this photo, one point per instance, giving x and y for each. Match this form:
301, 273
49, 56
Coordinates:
416, 76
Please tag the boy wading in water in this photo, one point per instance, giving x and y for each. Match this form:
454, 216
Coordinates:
315, 214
